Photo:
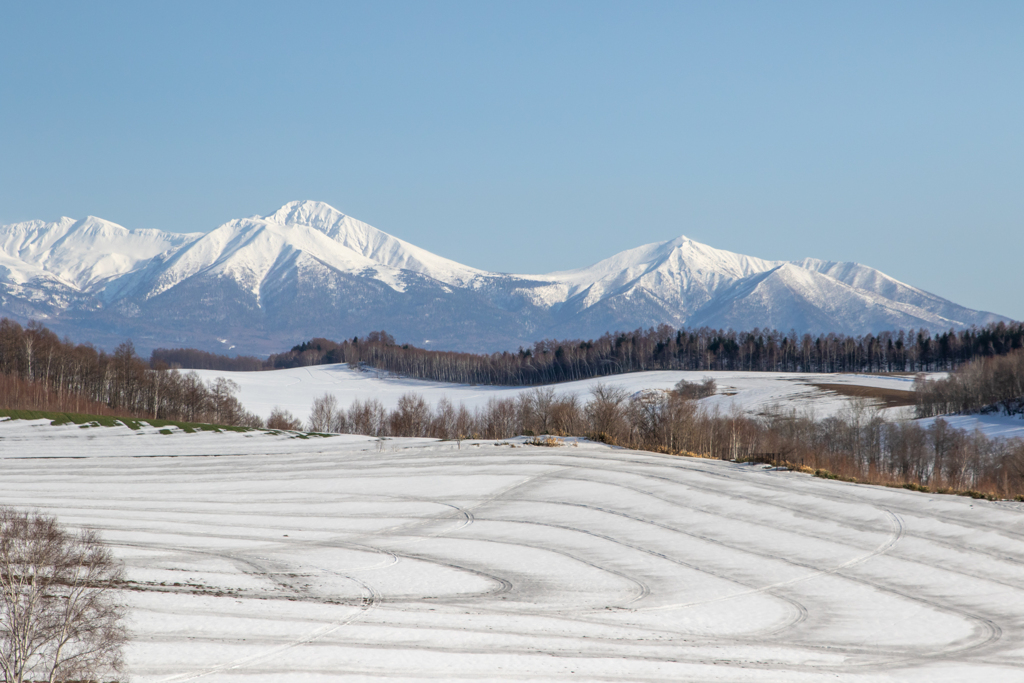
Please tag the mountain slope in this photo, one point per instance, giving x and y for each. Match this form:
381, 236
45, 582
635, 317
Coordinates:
262, 283
83, 254
374, 244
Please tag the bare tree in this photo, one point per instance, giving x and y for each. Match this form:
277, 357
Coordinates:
411, 416
606, 413
499, 418
61, 618
542, 402
465, 426
443, 424
323, 416
225, 406
567, 416
369, 417
283, 419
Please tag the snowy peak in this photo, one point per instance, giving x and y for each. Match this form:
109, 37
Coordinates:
247, 250
318, 215
681, 257
372, 243
681, 273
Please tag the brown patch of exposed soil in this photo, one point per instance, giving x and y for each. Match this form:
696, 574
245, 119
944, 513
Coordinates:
893, 398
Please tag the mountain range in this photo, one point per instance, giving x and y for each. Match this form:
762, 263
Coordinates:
261, 284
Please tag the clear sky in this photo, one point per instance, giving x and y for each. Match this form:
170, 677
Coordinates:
529, 137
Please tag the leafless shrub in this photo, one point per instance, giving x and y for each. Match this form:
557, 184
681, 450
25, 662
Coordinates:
541, 410
706, 388
567, 417
283, 419
465, 424
548, 441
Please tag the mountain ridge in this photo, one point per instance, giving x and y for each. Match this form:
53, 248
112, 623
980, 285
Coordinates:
307, 269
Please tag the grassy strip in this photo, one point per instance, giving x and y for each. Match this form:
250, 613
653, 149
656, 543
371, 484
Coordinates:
825, 474
976, 495
86, 421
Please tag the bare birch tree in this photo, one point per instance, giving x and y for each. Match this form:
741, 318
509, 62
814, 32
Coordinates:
61, 618
324, 415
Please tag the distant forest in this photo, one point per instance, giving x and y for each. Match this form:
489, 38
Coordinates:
662, 348
984, 385
39, 371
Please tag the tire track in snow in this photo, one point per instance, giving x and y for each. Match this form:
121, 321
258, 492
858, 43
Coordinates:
777, 493
988, 630
370, 602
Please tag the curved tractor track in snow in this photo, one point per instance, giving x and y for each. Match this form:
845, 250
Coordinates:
433, 561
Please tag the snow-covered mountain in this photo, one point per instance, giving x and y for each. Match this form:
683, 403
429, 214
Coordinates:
261, 284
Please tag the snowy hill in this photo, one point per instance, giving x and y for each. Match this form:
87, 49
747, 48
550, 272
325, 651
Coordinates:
263, 283
341, 559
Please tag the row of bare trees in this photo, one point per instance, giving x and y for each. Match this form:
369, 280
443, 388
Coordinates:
857, 443
38, 371
983, 385
662, 348
197, 359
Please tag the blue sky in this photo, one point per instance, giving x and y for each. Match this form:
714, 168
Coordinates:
529, 137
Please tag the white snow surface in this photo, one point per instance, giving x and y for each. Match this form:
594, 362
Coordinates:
374, 244
992, 425
288, 560
679, 270
751, 392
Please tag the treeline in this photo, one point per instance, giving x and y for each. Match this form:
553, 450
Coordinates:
194, 359
38, 371
984, 385
665, 348
857, 444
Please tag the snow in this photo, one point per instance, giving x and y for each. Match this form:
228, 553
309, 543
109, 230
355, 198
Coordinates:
413, 560
672, 268
248, 250
993, 426
751, 392
374, 244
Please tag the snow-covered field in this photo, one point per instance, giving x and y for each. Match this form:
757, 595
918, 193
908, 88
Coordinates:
350, 559
750, 392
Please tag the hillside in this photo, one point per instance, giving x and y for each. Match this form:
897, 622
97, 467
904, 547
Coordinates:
416, 560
